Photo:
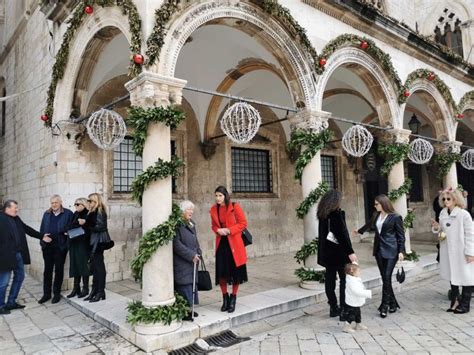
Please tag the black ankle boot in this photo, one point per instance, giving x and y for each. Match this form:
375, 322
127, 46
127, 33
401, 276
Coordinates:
98, 296
91, 295
84, 292
75, 291
465, 303
334, 311
232, 301
225, 302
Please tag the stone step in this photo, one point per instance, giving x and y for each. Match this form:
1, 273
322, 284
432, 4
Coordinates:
112, 312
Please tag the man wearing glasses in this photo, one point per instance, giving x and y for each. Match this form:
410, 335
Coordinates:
56, 222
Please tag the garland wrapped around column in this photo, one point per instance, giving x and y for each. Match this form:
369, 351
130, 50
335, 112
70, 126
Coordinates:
306, 144
445, 161
139, 118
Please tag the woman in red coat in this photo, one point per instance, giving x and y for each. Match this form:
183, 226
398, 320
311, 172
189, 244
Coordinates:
228, 222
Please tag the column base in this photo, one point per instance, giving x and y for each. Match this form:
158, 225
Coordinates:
157, 328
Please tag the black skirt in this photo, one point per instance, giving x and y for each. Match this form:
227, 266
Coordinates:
225, 265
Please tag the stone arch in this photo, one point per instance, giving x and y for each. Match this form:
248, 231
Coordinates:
374, 77
466, 102
103, 18
445, 125
296, 67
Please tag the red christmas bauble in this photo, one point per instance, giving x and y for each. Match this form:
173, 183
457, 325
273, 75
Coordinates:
431, 76
322, 62
460, 116
44, 118
406, 93
89, 10
364, 45
138, 59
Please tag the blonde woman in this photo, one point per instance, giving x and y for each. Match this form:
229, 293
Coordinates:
456, 235
96, 222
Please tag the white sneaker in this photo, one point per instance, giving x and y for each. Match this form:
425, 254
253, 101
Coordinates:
360, 326
348, 328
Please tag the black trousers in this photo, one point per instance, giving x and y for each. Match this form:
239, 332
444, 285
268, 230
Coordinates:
330, 285
98, 271
54, 259
386, 267
352, 314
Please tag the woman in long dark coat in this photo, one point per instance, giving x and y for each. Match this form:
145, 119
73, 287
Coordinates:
334, 253
79, 252
186, 254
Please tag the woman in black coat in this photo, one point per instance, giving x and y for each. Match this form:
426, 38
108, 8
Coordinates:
186, 256
79, 252
389, 247
334, 252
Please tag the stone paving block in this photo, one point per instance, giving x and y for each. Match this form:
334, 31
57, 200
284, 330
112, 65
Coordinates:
353, 352
82, 351
7, 344
288, 349
325, 338
49, 351
305, 334
395, 350
59, 332
309, 345
330, 349
71, 342
27, 332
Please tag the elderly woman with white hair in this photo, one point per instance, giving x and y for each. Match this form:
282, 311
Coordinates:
186, 254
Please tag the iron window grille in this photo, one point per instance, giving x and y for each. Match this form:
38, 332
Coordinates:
251, 171
328, 170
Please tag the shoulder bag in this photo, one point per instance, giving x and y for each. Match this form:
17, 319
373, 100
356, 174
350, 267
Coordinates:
331, 237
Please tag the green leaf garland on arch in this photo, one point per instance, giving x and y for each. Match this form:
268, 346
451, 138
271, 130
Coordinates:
128, 8
393, 154
311, 199
465, 100
445, 161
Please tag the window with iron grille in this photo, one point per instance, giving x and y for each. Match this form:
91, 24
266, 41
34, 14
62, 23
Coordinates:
251, 170
416, 191
328, 170
127, 165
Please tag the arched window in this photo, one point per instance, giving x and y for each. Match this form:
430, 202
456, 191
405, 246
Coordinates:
448, 31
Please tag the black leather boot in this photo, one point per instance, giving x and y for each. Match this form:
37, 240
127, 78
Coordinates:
91, 295
76, 289
84, 292
98, 296
465, 303
334, 311
225, 302
232, 301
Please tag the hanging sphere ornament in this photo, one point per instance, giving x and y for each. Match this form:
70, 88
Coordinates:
44, 118
322, 62
89, 10
240, 122
420, 151
106, 128
364, 45
357, 141
467, 159
138, 59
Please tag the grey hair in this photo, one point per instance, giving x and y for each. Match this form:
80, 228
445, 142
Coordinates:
9, 203
56, 197
186, 205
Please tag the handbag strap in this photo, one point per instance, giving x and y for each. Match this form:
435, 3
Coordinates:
203, 265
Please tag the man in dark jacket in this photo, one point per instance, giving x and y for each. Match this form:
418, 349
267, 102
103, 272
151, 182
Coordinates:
56, 221
14, 254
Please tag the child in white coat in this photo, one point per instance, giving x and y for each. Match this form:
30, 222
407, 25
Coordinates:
355, 298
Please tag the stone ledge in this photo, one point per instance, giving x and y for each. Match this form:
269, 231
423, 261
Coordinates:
112, 312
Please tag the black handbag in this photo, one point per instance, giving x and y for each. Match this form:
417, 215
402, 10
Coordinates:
400, 275
204, 278
76, 232
247, 237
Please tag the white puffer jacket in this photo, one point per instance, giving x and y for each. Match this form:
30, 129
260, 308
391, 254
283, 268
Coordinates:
356, 292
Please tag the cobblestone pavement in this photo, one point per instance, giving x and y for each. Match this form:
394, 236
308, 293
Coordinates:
422, 326
55, 329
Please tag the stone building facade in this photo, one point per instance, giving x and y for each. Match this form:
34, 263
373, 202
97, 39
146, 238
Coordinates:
233, 47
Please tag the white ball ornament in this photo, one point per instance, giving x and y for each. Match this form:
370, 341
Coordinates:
106, 128
357, 141
420, 151
467, 159
240, 122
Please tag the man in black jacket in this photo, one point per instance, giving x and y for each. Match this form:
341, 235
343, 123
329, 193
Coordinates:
14, 254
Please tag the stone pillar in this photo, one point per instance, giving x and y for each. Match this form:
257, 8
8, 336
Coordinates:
316, 121
451, 179
396, 178
149, 90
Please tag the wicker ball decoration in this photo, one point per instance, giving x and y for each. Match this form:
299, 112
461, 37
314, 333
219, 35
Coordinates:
420, 151
357, 141
106, 128
467, 159
240, 122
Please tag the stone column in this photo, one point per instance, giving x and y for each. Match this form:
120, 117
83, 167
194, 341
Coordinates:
451, 179
149, 90
396, 178
315, 121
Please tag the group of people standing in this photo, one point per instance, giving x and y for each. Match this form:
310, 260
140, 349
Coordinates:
85, 249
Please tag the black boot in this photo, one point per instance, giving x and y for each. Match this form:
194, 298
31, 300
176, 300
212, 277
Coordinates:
225, 302
76, 289
334, 311
44, 299
98, 296
465, 303
232, 301
91, 295
85, 287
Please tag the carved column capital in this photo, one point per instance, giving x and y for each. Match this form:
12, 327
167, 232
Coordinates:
310, 120
396, 135
452, 147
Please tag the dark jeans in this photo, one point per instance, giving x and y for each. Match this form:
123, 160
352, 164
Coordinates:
352, 314
54, 259
18, 277
386, 267
330, 286
98, 271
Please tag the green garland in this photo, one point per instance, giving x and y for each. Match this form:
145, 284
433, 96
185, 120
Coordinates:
308, 144
128, 8
157, 37
413, 256
467, 97
138, 313
425, 74
409, 219
311, 199
310, 275
161, 170
139, 118
402, 190
306, 250
393, 154
153, 239
445, 161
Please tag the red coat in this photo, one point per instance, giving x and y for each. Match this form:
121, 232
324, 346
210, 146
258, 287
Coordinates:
236, 222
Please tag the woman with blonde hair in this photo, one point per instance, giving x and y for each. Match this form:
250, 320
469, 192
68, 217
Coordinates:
96, 222
456, 235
